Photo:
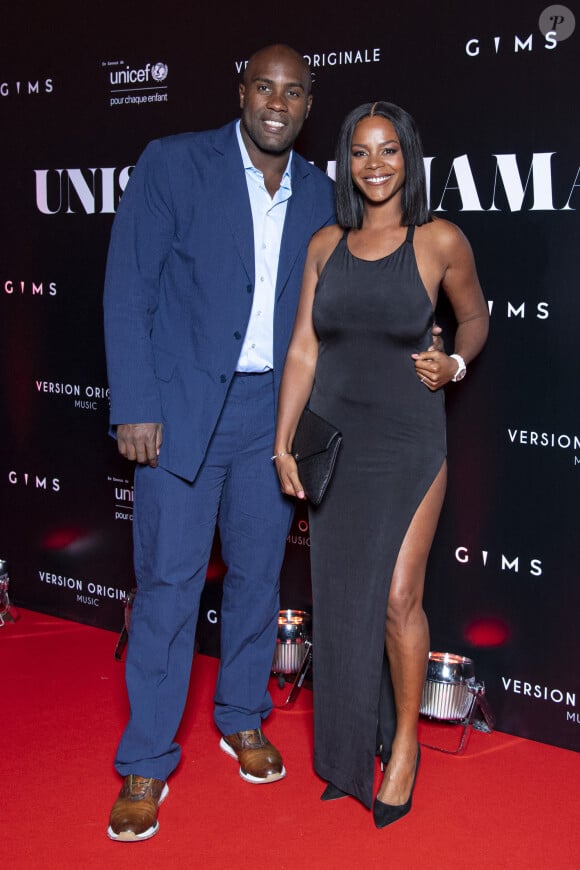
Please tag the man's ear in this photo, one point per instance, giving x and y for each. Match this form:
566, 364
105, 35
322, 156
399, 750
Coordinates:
242, 90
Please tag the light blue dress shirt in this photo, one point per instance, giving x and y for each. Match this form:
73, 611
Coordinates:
268, 214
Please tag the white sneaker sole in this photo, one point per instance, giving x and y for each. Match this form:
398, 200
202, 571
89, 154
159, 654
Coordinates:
131, 836
256, 780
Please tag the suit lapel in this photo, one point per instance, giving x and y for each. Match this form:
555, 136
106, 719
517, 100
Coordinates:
296, 235
233, 193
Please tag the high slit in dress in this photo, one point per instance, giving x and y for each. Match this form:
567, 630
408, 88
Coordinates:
370, 316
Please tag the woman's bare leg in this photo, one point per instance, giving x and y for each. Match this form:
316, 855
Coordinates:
407, 641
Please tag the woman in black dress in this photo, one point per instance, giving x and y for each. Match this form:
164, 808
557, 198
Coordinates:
361, 356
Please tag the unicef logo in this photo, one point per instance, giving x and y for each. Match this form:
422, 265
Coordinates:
159, 71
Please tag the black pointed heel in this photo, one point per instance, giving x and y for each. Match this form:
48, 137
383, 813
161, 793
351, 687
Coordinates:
332, 793
386, 814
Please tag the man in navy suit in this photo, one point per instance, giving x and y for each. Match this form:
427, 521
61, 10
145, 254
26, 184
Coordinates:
203, 277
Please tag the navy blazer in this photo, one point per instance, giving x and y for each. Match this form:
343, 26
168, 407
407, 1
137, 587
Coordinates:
180, 281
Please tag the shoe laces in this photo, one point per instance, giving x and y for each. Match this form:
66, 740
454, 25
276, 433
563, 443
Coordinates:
253, 738
138, 786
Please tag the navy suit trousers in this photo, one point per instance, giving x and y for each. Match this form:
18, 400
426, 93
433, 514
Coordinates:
174, 523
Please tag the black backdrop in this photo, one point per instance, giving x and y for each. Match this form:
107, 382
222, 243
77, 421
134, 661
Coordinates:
494, 89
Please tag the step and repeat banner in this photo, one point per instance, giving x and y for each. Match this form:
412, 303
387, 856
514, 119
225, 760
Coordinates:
494, 89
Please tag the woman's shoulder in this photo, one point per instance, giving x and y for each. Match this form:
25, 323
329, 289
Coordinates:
324, 241
326, 236
442, 230
442, 234
322, 244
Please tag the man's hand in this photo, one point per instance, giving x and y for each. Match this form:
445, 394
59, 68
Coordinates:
437, 334
140, 442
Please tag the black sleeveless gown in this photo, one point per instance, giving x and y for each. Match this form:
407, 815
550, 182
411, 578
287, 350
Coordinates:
370, 316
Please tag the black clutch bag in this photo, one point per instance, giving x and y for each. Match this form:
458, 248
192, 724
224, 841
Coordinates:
315, 448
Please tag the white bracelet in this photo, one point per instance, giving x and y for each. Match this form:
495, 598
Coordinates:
278, 455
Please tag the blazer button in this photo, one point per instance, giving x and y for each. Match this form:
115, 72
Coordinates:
249, 288
223, 379
237, 335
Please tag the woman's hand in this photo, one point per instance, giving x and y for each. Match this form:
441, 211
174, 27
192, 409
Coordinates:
288, 474
434, 368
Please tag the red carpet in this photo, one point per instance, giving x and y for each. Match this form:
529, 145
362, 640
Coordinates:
505, 803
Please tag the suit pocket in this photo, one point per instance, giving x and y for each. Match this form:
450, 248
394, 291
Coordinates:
165, 364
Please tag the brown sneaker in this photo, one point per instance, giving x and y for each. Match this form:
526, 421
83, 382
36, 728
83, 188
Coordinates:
134, 814
259, 760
